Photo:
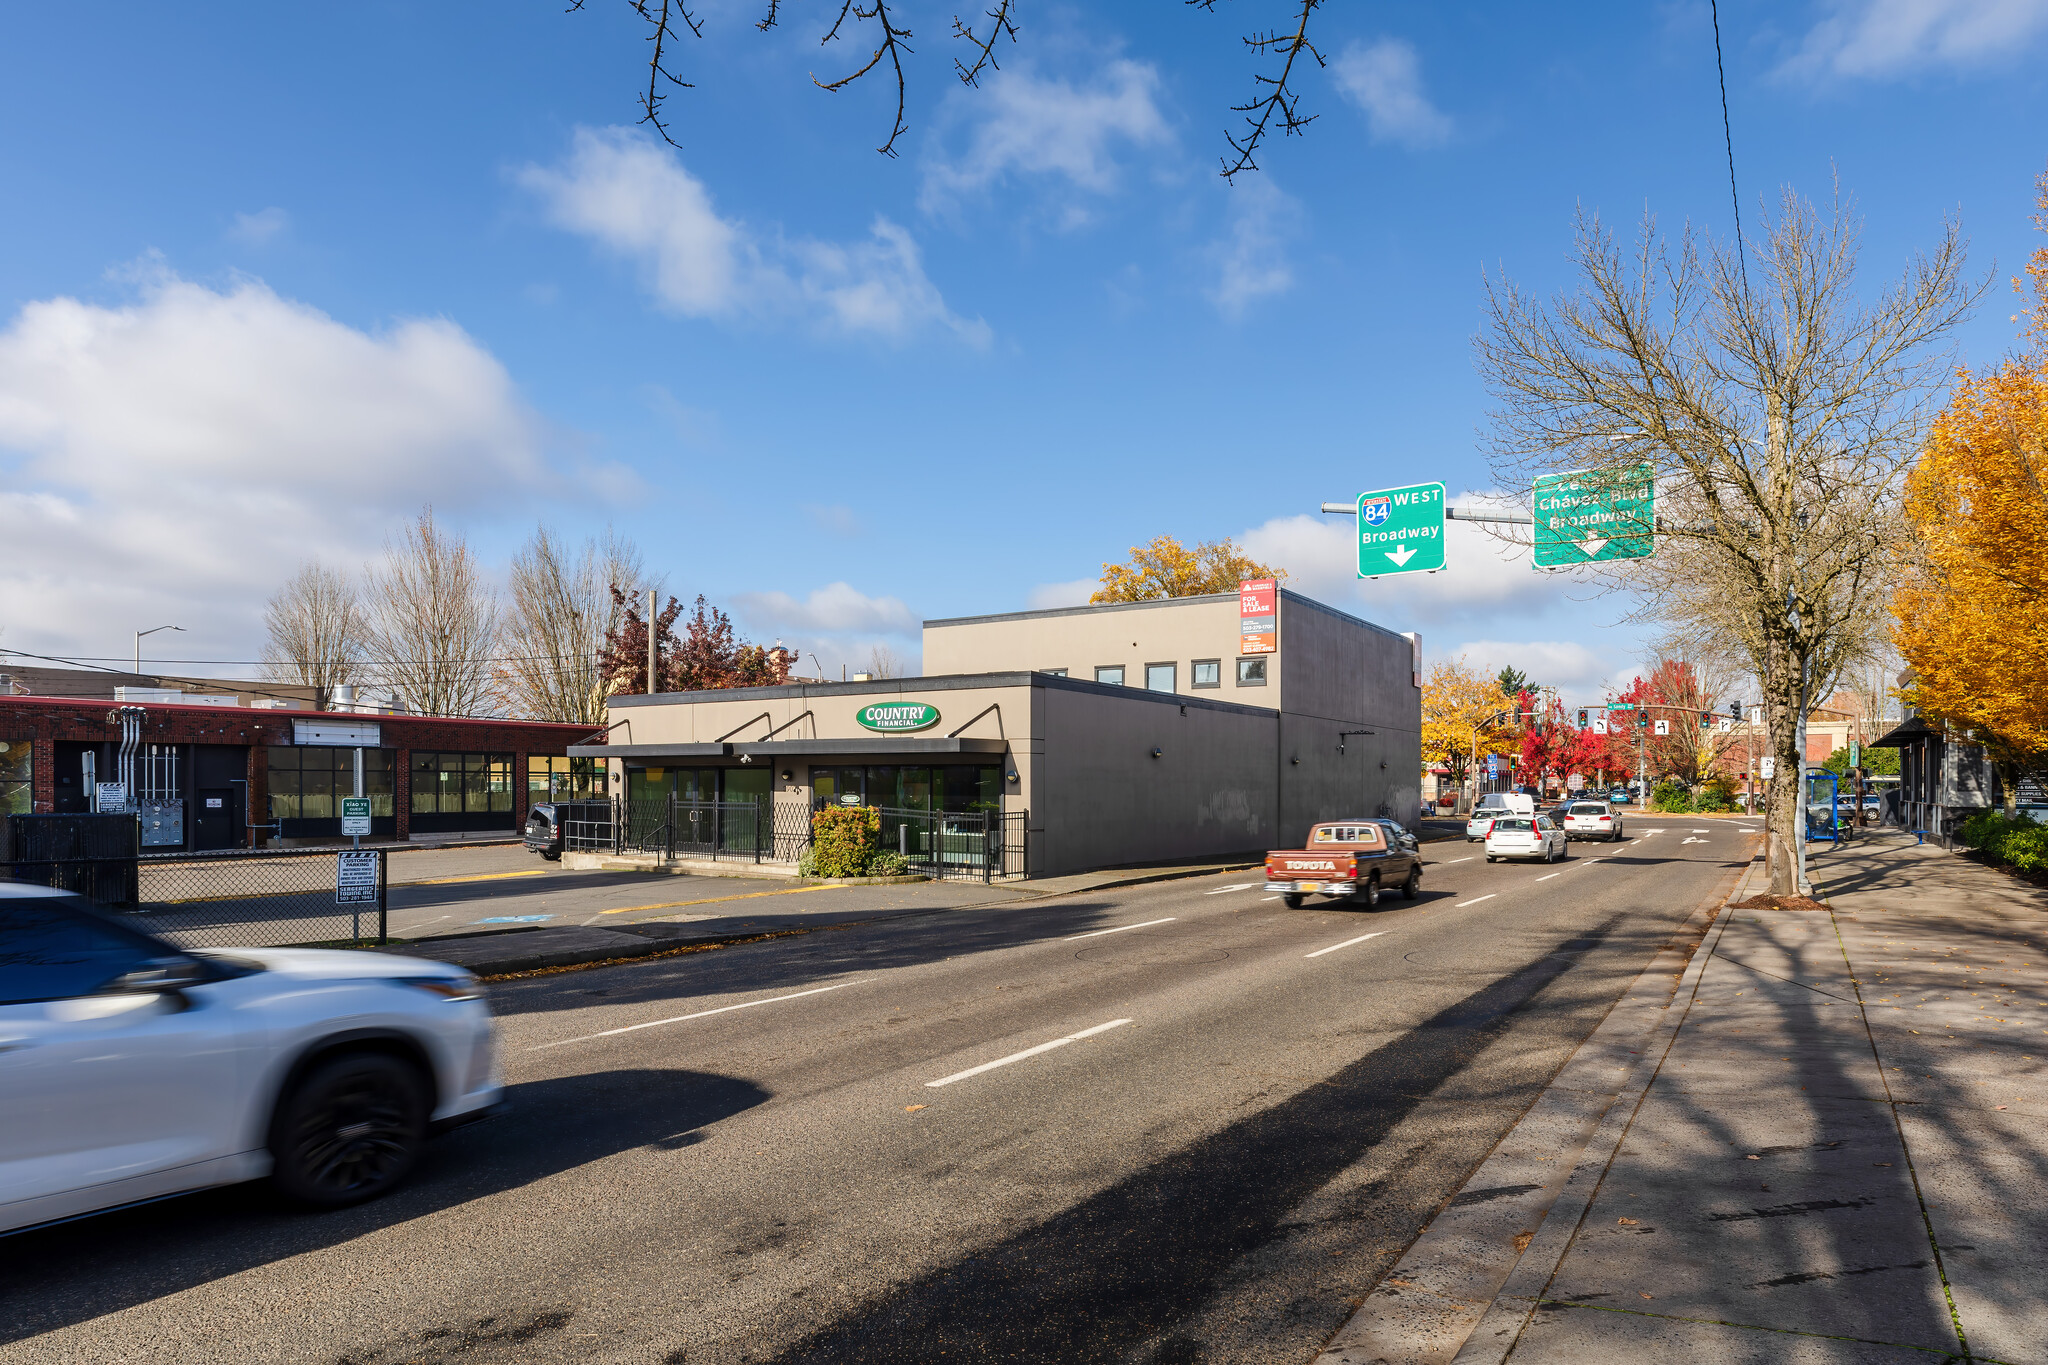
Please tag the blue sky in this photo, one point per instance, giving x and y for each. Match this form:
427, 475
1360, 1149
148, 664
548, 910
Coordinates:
273, 276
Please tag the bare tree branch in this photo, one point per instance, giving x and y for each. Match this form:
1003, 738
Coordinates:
1001, 25
1279, 97
661, 16
316, 630
435, 622
892, 46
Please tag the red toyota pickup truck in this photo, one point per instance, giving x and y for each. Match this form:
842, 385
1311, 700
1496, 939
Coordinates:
1345, 858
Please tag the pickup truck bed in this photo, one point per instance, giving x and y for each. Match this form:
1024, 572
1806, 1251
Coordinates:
1344, 859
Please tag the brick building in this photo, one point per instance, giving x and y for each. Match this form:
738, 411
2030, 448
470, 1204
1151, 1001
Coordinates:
233, 776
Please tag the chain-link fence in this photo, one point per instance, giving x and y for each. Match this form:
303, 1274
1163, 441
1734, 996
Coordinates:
263, 899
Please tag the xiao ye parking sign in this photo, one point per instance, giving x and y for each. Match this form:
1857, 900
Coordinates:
1401, 530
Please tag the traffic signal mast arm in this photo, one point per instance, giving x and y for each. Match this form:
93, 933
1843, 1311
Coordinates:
1345, 509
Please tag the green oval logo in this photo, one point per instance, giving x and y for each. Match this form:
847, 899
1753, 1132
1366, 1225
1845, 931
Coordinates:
897, 716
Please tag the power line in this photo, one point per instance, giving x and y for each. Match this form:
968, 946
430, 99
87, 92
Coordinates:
1728, 140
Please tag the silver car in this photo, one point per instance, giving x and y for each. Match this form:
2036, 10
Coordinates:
1591, 820
1525, 836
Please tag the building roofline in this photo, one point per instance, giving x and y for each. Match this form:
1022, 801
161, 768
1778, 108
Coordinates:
1154, 603
954, 682
279, 713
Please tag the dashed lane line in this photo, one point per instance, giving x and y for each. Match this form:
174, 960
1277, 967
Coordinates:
1345, 944
1027, 1052
700, 1014
1241, 886
1476, 899
1098, 933
1548, 876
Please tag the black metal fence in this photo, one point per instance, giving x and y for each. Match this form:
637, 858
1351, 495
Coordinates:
956, 845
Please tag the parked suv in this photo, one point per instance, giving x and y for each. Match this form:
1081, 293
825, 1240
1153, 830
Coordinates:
133, 1069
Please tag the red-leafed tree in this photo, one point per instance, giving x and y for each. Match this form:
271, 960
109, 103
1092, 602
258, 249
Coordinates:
623, 659
708, 655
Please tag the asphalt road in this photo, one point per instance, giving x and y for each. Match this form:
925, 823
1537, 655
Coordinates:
799, 1151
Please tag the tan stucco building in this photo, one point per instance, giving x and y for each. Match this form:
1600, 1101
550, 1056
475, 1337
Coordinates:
1111, 735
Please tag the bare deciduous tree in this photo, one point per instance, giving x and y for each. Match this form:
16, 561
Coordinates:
1275, 103
560, 611
883, 663
315, 632
434, 622
1777, 421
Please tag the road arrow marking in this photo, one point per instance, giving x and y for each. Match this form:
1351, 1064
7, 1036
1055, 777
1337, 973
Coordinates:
1400, 556
1690, 840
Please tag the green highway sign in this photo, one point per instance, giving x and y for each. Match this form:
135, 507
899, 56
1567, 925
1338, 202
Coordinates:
1594, 515
1401, 530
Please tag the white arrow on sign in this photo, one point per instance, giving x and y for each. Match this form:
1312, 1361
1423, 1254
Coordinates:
1400, 556
1592, 545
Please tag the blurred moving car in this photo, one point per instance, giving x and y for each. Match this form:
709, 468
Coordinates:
133, 1069
1618, 796
1398, 834
1493, 806
1591, 820
1525, 836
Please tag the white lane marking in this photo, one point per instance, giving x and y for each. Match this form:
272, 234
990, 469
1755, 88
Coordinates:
1648, 832
1241, 886
700, 1014
1097, 933
1475, 900
1466, 859
1027, 1052
1346, 943
1703, 831
1690, 840
1269, 898
1547, 878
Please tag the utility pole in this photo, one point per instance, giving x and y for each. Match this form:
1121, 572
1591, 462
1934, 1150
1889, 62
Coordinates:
653, 656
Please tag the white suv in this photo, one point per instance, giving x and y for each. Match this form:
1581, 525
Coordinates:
132, 1069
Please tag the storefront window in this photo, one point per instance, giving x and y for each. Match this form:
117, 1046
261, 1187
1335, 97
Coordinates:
17, 776
564, 779
461, 784
307, 783
956, 789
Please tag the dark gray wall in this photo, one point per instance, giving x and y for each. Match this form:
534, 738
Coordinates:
1340, 673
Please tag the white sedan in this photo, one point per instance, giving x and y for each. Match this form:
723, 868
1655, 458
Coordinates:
133, 1069
1591, 820
1525, 836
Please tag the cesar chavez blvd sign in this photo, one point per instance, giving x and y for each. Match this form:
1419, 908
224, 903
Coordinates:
1593, 515
896, 716
1401, 530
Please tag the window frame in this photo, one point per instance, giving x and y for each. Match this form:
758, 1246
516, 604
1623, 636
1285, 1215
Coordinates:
1249, 665
1172, 677
1195, 667
1118, 669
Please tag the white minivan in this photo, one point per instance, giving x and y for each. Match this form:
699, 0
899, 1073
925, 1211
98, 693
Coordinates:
1492, 807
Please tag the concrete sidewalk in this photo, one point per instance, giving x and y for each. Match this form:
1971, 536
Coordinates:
1828, 1146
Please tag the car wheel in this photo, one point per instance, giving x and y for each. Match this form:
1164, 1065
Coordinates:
1292, 901
554, 857
1412, 888
350, 1130
1372, 891
1489, 857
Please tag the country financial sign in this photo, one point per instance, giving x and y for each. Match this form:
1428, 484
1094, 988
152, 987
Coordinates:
1258, 616
1401, 530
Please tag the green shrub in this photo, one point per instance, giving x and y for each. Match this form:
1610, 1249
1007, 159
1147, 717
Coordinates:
887, 863
807, 865
1671, 799
2016, 840
1717, 795
843, 840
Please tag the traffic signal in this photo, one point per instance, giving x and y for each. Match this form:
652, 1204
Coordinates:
1735, 710
1582, 717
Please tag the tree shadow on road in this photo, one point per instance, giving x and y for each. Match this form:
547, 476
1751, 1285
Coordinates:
78, 1271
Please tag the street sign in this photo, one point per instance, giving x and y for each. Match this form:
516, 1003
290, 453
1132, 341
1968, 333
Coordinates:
1727, 726
1663, 727
1855, 754
1258, 620
355, 877
1493, 767
1767, 767
1599, 725
355, 815
1595, 515
1621, 706
113, 797
1401, 530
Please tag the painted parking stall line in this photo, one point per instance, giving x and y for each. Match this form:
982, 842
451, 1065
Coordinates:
1026, 1053
1121, 928
700, 1014
1345, 944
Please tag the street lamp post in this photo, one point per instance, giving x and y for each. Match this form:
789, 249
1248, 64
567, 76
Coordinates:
138, 642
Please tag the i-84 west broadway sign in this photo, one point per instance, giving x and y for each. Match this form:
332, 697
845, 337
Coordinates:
1401, 530
1592, 515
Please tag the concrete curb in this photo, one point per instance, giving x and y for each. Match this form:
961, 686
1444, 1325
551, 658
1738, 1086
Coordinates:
1463, 1289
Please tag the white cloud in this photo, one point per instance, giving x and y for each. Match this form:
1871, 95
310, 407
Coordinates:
175, 458
1890, 37
1579, 674
835, 609
1385, 80
258, 228
1250, 259
1047, 596
634, 197
1025, 126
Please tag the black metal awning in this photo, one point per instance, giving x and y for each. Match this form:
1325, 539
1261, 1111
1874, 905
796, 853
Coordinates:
881, 746
1910, 731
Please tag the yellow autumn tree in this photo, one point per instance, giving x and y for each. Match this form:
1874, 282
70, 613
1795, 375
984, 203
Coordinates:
1972, 607
1166, 568
1459, 707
